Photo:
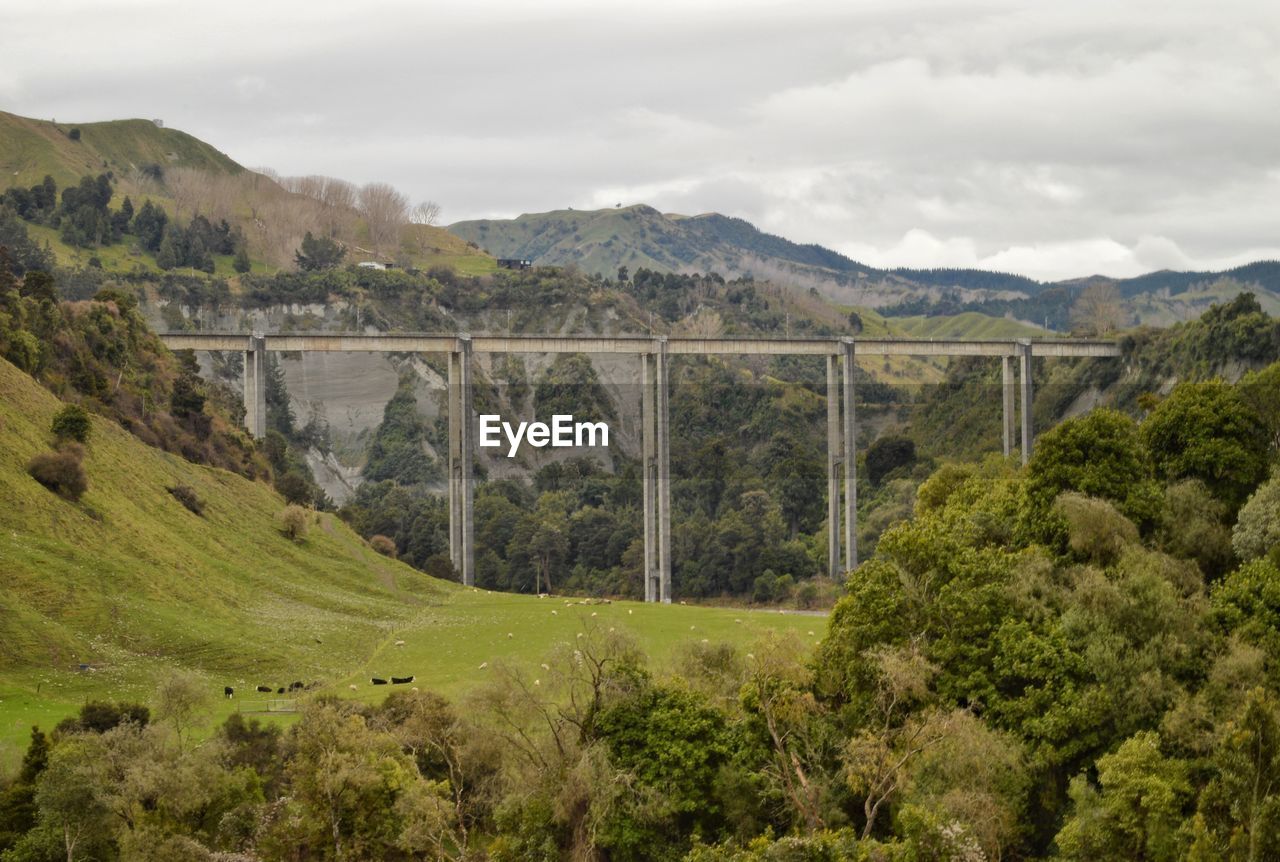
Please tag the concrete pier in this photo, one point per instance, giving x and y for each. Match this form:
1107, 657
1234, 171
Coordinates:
1007, 388
655, 354
835, 455
462, 544
255, 387
649, 470
850, 458
1028, 433
663, 416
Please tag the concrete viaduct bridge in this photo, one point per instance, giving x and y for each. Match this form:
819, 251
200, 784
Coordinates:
654, 353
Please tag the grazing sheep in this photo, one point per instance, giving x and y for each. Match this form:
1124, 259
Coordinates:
629, 611
483, 665
510, 635
265, 689
593, 613
354, 687
377, 681
399, 643
228, 691
553, 613
401, 680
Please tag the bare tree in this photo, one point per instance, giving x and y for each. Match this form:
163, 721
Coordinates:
189, 188
427, 212
1098, 310
339, 194
385, 211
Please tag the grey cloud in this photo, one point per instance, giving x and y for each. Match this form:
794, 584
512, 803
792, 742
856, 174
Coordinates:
1056, 138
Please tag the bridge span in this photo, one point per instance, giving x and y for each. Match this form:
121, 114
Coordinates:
654, 353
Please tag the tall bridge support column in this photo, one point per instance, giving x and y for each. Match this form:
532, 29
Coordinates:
655, 422
1024, 351
462, 543
850, 460
662, 416
834, 457
255, 387
649, 466
1007, 387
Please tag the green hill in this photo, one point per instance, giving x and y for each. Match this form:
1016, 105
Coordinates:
639, 236
969, 324
131, 585
30, 149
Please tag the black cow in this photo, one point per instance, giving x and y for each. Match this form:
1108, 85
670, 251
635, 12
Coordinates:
265, 689
401, 680
228, 691
280, 690
377, 681
294, 686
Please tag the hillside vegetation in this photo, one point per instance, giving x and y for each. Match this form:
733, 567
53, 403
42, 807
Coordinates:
188, 179
131, 149
134, 585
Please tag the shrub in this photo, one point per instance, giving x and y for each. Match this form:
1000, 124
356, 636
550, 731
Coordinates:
439, 566
1095, 530
61, 472
383, 545
72, 423
186, 495
293, 522
769, 587
1257, 530
295, 488
886, 455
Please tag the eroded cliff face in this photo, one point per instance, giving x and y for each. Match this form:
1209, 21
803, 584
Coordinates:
349, 391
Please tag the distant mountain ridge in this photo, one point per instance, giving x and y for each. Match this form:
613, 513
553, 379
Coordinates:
601, 241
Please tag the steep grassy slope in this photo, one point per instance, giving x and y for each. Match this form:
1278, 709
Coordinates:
30, 149
131, 584
969, 324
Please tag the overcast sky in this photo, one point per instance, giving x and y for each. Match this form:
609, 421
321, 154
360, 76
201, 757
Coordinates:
1047, 138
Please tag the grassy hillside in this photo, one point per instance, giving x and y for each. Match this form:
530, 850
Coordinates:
133, 585
969, 324
141, 157
30, 149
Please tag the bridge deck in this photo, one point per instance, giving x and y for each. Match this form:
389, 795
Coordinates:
638, 344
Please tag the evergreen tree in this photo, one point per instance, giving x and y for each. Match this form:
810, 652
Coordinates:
170, 253
317, 254
149, 225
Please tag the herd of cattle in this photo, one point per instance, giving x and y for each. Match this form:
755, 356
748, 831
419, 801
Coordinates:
229, 691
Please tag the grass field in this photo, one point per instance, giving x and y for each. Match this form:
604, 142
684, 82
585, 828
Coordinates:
968, 324
133, 586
